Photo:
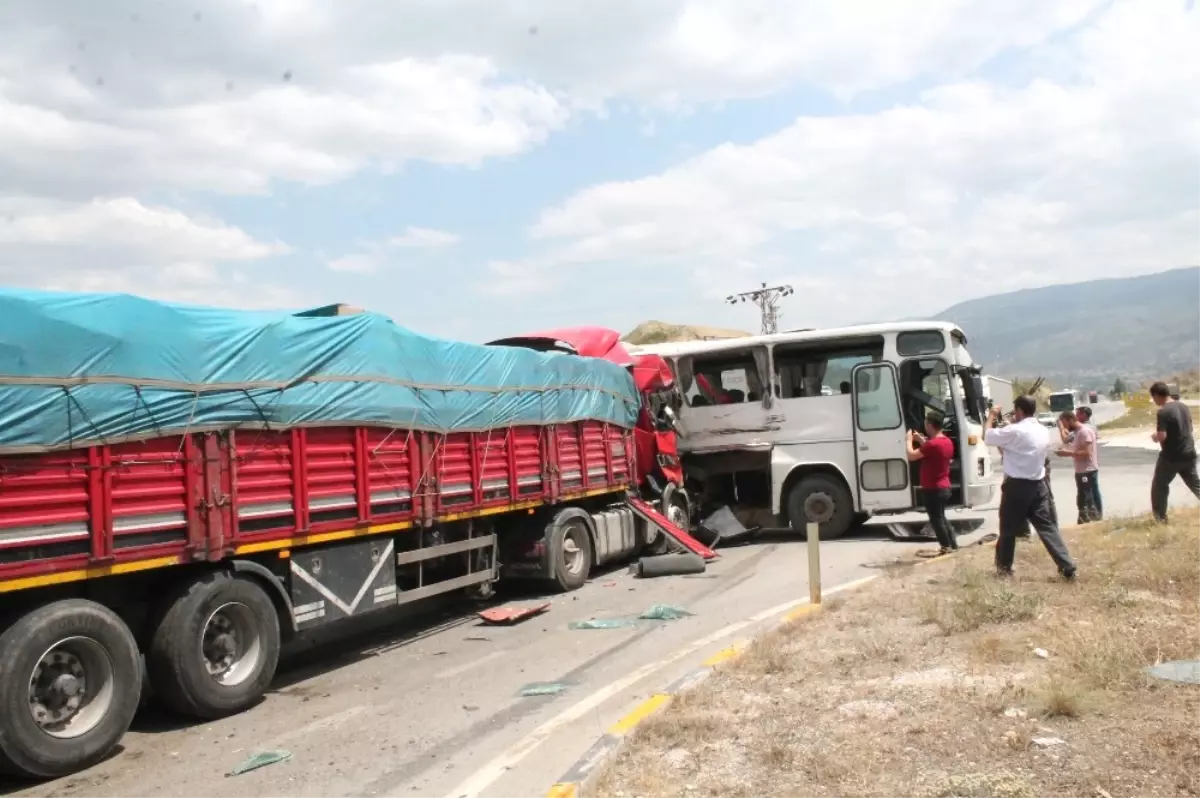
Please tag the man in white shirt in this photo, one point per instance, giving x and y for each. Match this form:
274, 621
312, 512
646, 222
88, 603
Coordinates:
1024, 496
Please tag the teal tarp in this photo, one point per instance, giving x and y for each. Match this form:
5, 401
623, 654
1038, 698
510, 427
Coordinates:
79, 369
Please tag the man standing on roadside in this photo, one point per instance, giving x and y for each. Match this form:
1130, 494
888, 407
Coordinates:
1084, 414
1080, 446
1024, 496
1177, 457
935, 453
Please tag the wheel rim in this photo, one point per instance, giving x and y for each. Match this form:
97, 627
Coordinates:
71, 688
818, 508
231, 644
677, 515
573, 550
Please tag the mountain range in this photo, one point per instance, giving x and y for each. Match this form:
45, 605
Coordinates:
1087, 334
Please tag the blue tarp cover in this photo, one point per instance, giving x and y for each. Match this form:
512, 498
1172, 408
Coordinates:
81, 369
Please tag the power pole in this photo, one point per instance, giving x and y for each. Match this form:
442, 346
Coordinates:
767, 300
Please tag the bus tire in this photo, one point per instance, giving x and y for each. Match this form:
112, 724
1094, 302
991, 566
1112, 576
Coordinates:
81, 662
570, 553
824, 499
214, 648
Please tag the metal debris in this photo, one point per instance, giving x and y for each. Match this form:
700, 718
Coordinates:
499, 616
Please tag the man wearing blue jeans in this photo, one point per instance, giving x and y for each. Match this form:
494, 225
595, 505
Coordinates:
1080, 446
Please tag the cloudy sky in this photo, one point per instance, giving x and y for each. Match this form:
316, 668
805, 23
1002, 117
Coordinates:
482, 167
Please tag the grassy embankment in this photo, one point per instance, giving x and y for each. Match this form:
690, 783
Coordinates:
932, 682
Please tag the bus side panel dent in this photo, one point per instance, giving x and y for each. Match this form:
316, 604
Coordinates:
789, 462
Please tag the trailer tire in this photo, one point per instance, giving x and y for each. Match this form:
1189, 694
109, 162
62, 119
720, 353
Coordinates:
570, 553
674, 506
217, 621
827, 497
70, 648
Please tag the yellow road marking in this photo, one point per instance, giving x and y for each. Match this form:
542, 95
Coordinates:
639, 713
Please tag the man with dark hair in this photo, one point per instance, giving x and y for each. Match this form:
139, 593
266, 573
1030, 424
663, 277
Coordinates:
1080, 446
1024, 496
1084, 414
934, 451
1177, 457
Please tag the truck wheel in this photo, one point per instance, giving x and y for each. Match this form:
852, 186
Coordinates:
676, 511
824, 500
70, 680
215, 647
570, 554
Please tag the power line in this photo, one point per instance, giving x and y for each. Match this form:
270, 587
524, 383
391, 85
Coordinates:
767, 299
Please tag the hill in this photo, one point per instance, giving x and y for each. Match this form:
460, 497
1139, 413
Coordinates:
1087, 334
660, 332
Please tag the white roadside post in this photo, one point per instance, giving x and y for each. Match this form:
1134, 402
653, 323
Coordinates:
814, 563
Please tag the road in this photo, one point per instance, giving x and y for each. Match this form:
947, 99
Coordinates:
434, 708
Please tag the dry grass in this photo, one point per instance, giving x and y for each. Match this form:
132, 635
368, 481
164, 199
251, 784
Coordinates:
926, 684
1140, 412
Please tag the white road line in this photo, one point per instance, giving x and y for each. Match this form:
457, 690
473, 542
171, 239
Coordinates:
506, 761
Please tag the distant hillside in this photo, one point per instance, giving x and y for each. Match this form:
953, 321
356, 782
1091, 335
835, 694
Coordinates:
659, 332
1087, 334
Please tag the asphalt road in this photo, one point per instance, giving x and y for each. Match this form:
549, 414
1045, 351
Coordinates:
433, 707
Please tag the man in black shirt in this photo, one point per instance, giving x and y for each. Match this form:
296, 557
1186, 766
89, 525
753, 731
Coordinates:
1178, 455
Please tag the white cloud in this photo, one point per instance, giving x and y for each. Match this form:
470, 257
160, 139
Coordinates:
372, 255
1088, 170
121, 244
423, 238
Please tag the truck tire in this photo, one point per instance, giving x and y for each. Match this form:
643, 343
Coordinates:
674, 505
823, 499
70, 680
214, 648
570, 553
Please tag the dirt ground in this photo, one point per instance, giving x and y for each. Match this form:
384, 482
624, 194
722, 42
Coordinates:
942, 680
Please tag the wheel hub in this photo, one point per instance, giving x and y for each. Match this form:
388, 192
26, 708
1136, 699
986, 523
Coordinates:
231, 645
70, 687
818, 508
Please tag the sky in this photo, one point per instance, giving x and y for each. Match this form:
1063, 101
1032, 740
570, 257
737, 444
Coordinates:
481, 168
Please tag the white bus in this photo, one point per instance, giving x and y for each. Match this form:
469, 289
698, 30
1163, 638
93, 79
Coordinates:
757, 431
1065, 400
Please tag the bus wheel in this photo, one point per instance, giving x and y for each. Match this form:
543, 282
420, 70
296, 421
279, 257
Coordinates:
70, 680
215, 647
822, 500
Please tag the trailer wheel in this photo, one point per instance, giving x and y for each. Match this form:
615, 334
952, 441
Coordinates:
570, 554
214, 649
823, 500
70, 681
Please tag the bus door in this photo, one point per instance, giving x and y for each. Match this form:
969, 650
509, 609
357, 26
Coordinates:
881, 450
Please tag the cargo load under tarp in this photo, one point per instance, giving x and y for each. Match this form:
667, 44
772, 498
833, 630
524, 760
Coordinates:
84, 369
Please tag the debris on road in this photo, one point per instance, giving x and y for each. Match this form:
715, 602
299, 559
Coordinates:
477, 639
1180, 670
603, 623
669, 565
260, 760
543, 688
1041, 653
665, 612
723, 527
502, 616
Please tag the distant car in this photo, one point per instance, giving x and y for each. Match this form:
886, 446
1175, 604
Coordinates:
1048, 419
826, 390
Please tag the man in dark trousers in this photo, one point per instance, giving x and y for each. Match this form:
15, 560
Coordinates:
1177, 457
1024, 496
934, 451
1080, 446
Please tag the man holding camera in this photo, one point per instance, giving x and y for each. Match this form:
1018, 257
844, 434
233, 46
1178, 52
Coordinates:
1024, 495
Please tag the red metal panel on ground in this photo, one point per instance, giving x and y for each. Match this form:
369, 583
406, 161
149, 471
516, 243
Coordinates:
680, 536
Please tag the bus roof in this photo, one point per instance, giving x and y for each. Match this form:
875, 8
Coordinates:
799, 336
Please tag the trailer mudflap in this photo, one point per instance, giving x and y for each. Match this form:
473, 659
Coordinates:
647, 513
